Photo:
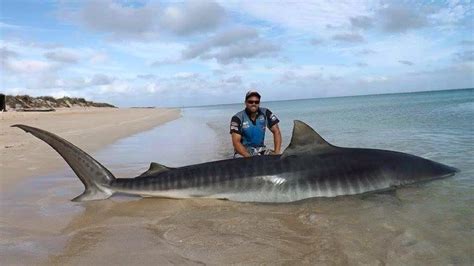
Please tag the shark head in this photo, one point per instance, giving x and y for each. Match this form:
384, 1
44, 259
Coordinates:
410, 169
402, 168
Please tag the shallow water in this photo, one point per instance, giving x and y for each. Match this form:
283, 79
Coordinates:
424, 224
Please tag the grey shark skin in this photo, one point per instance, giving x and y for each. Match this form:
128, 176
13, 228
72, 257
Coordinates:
309, 167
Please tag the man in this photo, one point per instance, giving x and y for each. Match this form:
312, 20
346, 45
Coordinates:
247, 128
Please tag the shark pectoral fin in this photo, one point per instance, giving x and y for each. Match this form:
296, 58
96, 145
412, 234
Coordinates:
304, 140
155, 168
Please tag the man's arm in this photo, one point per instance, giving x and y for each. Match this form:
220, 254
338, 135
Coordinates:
275, 129
239, 148
273, 126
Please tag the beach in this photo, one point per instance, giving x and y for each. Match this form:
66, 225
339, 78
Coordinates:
22, 155
425, 224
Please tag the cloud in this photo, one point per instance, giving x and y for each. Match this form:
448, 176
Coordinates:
117, 87
452, 15
27, 66
100, 79
237, 53
349, 37
166, 61
219, 40
366, 52
192, 17
121, 21
298, 77
6, 53
467, 43
464, 56
233, 79
186, 75
145, 21
146, 76
316, 41
98, 57
361, 22
63, 56
233, 45
406, 62
399, 19
306, 16
361, 64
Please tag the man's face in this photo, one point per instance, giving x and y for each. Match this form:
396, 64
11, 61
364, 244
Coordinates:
252, 103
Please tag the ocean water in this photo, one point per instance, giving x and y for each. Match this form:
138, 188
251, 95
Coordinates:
428, 224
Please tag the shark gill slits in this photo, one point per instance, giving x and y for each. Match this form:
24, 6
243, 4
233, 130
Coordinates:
372, 182
315, 187
302, 184
351, 185
346, 184
333, 183
363, 181
322, 185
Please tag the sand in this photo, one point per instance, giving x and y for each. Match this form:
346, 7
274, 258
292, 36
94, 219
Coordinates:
22, 155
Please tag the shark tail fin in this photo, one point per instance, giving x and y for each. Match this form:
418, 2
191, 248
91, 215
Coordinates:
95, 177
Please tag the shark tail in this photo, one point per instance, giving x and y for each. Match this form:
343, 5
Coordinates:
95, 177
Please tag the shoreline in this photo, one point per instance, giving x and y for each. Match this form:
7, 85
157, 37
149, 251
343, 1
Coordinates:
91, 129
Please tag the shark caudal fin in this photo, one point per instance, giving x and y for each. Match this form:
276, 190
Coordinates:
92, 174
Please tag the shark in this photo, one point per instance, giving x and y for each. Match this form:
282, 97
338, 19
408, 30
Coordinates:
309, 167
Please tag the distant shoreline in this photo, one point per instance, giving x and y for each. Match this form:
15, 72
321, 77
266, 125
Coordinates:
90, 128
329, 97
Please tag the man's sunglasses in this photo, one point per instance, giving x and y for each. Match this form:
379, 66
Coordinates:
253, 102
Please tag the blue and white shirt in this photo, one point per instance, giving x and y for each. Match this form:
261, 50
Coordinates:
253, 132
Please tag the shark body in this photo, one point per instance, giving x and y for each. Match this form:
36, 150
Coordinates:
309, 167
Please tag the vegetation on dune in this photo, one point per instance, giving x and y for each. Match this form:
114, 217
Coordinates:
47, 102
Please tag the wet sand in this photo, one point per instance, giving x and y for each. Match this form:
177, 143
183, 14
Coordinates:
22, 155
41, 226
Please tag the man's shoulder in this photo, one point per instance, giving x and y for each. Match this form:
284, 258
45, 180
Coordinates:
239, 114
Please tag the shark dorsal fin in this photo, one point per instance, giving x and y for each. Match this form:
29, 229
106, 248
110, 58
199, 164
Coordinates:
305, 140
155, 168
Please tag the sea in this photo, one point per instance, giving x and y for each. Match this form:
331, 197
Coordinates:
425, 224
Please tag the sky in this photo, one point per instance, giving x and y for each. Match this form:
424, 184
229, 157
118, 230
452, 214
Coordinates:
174, 53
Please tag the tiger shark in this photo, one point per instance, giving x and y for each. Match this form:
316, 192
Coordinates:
308, 167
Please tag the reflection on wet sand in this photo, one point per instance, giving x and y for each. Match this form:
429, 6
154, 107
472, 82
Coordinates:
366, 229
